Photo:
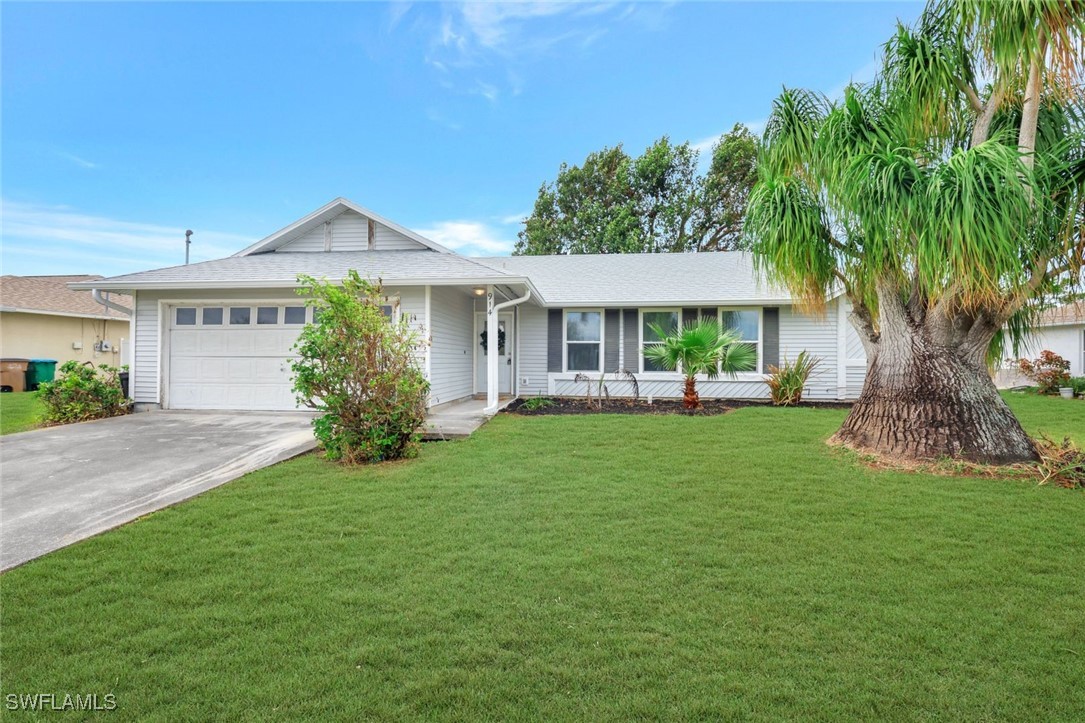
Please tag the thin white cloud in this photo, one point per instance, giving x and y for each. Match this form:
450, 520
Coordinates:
75, 241
469, 237
485, 46
440, 118
513, 218
81, 162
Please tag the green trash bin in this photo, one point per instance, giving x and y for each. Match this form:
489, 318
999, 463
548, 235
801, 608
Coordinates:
38, 371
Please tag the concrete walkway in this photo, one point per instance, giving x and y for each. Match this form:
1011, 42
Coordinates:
64, 484
457, 420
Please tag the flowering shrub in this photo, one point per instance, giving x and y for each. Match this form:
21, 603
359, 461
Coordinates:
83, 392
1049, 370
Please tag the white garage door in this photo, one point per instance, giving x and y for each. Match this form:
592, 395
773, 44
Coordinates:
233, 356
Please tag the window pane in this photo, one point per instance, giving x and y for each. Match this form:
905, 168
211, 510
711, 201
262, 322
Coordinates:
186, 317
387, 311
583, 357
582, 326
240, 314
667, 320
295, 315
267, 315
653, 366
745, 322
212, 316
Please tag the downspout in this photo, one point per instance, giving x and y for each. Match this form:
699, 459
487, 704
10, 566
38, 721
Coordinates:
96, 294
491, 359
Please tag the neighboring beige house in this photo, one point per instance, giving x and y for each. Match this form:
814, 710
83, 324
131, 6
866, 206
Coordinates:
41, 318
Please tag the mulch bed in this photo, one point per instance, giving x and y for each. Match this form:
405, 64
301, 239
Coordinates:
709, 407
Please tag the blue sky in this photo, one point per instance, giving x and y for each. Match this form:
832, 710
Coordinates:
125, 124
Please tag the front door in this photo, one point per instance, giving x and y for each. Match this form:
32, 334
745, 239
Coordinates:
504, 350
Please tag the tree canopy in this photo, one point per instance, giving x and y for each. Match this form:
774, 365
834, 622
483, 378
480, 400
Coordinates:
656, 202
943, 198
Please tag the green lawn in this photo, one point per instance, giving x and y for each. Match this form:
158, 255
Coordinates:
19, 411
589, 568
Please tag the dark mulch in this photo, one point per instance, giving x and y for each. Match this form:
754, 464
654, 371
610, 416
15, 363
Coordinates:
709, 407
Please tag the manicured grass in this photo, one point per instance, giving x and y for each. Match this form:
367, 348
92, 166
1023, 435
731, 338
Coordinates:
588, 568
19, 411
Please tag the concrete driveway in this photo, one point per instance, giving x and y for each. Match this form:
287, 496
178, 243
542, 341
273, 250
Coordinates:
64, 484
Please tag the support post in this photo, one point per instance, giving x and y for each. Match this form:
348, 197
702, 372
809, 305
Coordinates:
491, 352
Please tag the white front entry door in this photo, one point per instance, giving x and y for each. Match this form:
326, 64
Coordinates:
504, 353
233, 356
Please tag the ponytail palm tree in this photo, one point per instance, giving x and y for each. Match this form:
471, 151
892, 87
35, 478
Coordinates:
944, 200
700, 347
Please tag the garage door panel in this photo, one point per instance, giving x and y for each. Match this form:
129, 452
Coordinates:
232, 367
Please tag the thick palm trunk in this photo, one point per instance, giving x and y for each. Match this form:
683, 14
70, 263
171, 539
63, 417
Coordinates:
924, 401
690, 398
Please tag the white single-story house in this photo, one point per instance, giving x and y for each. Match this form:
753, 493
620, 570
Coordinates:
218, 334
1061, 330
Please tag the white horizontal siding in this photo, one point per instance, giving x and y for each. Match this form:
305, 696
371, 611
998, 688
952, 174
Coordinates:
816, 335
385, 239
532, 343
451, 353
854, 343
145, 349
350, 232
310, 242
856, 375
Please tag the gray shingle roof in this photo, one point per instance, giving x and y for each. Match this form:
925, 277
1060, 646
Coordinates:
282, 269
572, 280
629, 279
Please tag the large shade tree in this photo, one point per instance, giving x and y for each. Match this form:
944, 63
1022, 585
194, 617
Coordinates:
651, 203
944, 199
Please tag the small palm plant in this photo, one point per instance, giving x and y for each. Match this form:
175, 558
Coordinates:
700, 347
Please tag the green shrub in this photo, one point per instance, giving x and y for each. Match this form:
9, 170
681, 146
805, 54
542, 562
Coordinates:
1078, 385
787, 381
83, 392
360, 370
534, 404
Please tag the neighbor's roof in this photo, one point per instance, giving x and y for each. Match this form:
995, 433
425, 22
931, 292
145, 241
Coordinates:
281, 270
1069, 314
51, 295
639, 279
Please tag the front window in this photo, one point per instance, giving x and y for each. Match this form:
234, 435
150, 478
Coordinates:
583, 341
747, 324
667, 321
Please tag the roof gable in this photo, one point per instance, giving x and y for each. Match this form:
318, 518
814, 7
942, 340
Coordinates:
347, 230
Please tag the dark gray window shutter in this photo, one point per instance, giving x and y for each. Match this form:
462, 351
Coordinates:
710, 312
689, 316
770, 345
553, 340
632, 337
610, 351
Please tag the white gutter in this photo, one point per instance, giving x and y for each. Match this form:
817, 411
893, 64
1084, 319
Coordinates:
491, 335
96, 294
